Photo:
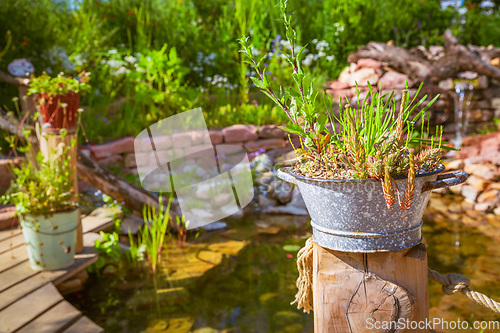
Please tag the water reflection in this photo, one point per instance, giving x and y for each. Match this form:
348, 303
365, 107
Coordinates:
251, 292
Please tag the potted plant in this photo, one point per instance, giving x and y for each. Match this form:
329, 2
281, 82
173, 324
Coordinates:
364, 185
59, 98
42, 193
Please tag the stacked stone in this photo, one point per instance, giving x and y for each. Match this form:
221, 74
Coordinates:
484, 105
366, 70
267, 138
481, 160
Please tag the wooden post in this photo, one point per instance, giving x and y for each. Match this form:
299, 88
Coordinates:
28, 102
47, 146
355, 291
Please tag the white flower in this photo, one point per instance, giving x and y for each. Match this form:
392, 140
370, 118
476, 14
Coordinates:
322, 45
308, 60
112, 51
130, 59
339, 27
285, 44
315, 40
122, 70
208, 79
254, 50
330, 58
114, 63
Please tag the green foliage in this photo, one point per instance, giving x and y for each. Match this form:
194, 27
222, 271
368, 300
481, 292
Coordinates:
42, 187
202, 66
479, 25
149, 86
151, 236
108, 250
59, 85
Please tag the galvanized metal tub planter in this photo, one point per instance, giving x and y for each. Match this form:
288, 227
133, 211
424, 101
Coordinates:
51, 239
351, 215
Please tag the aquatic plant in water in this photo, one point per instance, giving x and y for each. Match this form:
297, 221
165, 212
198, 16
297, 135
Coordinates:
374, 141
151, 236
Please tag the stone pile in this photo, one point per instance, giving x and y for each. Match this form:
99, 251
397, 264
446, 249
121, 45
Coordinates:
273, 195
483, 103
480, 159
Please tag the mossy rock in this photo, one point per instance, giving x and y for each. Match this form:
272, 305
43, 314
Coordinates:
285, 318
150, 297
295, 328
172, 325
205, 330
111, 212
230, 247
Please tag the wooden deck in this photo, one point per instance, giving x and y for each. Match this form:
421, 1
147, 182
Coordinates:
29, 300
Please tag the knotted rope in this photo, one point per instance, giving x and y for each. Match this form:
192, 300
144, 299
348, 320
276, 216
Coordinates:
452, 283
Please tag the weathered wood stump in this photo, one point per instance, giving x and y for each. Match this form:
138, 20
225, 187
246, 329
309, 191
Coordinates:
366, 292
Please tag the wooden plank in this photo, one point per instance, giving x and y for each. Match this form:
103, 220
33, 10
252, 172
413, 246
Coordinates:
55, 320
90, 237
82, 260
12, 258
84, 325
96, 223
15, 275
4, 234
27, 286
11, 243
28, 308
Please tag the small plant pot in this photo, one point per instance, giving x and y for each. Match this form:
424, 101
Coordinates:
53, 112
51, 239
351, 215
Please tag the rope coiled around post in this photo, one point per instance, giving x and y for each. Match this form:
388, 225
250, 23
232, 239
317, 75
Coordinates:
452, 283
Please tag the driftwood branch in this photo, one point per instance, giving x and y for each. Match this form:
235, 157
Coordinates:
13, 80
395, 57
457, 58
115, 186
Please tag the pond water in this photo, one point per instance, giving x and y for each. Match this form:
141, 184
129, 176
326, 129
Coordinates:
252, 291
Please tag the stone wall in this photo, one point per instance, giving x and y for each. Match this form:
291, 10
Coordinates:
484, 101
256, 140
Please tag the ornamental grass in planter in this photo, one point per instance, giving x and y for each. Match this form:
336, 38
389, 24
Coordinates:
48, 214
365, 185
59, 98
